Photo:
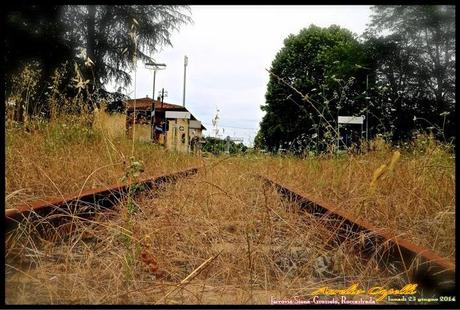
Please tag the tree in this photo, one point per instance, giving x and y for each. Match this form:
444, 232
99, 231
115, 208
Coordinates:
259, 142
324, 64
94, 44
34, 48
218, 146
112, 35
415, 62
34, 33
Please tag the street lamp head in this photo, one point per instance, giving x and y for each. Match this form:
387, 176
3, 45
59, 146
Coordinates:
155, 66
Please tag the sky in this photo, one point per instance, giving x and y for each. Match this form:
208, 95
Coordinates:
228, 50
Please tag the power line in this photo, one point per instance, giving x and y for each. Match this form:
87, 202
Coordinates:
233, 127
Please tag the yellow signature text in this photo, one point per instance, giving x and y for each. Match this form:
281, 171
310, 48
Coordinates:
378, 291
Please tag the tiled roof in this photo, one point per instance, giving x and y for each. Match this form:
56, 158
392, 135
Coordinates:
146, 104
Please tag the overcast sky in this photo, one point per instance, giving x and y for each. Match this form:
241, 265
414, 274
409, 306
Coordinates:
229, 48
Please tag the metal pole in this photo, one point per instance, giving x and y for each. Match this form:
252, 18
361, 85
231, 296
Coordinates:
367, 110
367, 123
152, 113
155, 67
185, 73
338, 130
154, 77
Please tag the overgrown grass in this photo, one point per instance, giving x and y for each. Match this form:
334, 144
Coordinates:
416, 199
66, 156
260, 248
265, 248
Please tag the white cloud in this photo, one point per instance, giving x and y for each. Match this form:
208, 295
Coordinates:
229, 48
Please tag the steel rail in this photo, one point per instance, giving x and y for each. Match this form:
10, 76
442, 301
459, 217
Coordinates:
86, 203
432, 273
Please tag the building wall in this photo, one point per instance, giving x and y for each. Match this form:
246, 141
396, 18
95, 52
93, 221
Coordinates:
170, 135
172, 139
176, 138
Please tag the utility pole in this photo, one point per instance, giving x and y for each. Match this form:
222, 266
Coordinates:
153, 66
153, 91
185, 73
162, 94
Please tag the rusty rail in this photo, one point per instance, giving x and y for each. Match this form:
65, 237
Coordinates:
85, 203
433, 273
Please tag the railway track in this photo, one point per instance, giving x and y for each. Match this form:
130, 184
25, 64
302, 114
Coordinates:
433, 273
430, 271
85, 203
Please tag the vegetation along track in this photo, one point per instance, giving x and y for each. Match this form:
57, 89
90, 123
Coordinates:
86, 202
422, 265
224, 236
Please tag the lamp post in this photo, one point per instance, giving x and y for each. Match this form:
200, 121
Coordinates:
185, 72
154, 66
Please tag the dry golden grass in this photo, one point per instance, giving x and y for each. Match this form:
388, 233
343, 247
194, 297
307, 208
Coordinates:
415, 198
66, 156
265, 248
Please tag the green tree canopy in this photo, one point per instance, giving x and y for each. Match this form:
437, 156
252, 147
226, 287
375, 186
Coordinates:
33, 49
219, 146
34, 34
326, 65
95, 44
110, 35
414, 66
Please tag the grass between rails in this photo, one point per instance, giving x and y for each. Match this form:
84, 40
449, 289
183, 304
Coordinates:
264, 250
222, 210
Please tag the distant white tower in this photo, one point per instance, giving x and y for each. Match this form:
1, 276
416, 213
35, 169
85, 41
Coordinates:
215, 123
